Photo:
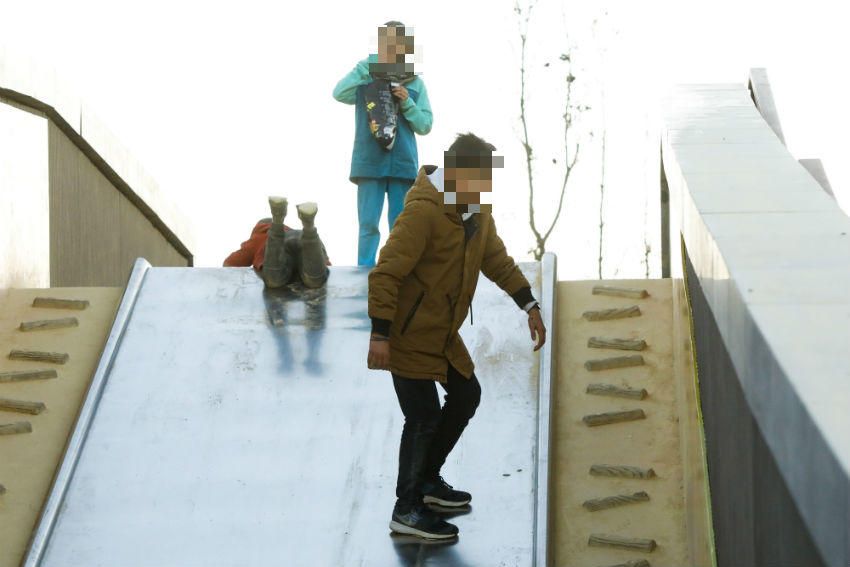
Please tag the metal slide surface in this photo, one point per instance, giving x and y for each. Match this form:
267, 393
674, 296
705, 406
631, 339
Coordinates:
228, 426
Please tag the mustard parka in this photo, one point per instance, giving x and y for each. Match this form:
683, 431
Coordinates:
421, 289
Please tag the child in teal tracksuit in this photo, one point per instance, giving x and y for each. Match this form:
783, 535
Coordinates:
375, 170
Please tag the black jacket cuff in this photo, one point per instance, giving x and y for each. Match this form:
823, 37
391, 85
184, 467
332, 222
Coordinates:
523, 297
381, 326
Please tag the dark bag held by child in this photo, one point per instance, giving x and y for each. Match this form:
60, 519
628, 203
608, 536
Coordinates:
382, 112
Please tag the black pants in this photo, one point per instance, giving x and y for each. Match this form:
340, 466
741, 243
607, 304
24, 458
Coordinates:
430, 432
294, 255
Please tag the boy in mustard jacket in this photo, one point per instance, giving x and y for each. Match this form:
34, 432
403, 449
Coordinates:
419, 295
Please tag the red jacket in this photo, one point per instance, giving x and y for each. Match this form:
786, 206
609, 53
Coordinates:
253, 251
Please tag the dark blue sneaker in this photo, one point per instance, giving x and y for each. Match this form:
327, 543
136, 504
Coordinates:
441, 493
421, 522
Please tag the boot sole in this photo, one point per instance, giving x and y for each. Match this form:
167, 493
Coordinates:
445, 503
309, 209
279, 206
278, 202
400, 528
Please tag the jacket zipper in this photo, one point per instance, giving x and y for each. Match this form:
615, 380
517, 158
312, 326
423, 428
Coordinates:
412, 312
452, 320
471, 316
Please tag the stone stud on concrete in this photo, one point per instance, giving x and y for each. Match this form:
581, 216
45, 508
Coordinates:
622, 471
613, 417
15, 428
54, 303
640, 544
610, 314
633, 563
26, 375
596, 504
20, 406
39, 356
620, 292
618, 344
615, 362
616, 392
48, 324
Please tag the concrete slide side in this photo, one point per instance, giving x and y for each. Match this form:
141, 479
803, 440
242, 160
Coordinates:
28, 461
669, 439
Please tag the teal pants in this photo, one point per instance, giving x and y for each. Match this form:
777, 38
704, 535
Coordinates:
370, 205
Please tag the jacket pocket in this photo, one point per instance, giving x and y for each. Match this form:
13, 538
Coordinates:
412, 312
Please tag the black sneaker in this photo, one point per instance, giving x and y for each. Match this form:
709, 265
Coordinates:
440, 492
422, 522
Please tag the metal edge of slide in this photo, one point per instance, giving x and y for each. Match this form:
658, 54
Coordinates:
65, 472
549, 277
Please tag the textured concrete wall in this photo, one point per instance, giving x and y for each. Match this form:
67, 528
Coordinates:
76, 208
38, 87
770, 251
95, 232
756, 521
24, 244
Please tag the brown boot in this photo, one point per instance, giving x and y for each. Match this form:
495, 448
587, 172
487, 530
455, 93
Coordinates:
278, 206
307, 214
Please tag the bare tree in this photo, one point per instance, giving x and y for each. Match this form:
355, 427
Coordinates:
601, 204
541, 236
647, 248
601, 52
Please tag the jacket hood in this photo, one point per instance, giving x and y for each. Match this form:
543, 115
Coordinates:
423, 189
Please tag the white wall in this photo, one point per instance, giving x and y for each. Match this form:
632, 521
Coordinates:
24, 199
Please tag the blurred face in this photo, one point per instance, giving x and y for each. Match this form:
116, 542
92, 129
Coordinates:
393, 45
466, 178
468, 183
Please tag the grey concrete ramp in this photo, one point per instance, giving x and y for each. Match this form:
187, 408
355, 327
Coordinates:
229, 426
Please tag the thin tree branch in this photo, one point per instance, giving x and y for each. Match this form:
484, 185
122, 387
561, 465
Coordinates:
529, 154
646, 247
568, 122
563, 192
541, 239
602, 203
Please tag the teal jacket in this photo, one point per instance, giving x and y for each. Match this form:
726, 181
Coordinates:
368, 159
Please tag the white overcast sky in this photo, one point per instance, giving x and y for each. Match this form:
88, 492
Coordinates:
226, 103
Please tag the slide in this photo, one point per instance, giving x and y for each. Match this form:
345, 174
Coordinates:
231, 425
